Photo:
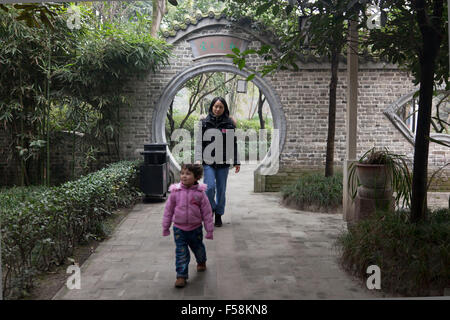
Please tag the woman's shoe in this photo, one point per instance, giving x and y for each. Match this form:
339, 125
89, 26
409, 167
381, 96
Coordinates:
180, 283
201, 267
218, 222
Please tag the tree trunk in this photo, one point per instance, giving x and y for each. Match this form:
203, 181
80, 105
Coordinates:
117, 135
427, 57
251, 104
47, 121
260, 107
159, 9
73, 152
329, 170
171, 124
232, 100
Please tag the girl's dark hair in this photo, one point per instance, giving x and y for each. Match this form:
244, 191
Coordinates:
196, 169
226, 110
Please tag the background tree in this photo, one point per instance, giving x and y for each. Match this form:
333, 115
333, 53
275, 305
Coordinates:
261, 100
327, 37
312, 28
159, 10
189, 7
415, 37
46, 68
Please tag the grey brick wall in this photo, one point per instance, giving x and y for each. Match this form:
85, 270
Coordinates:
304, 98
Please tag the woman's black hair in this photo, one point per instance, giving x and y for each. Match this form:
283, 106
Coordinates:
226, 111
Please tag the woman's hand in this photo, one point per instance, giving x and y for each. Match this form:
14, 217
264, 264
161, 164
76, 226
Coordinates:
198, 162
238, 168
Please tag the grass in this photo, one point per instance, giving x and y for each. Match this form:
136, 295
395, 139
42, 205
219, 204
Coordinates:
315, 192
414, 258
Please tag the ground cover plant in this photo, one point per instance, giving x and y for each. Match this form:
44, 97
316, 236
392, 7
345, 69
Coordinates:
40, 226
315, 192
414, 258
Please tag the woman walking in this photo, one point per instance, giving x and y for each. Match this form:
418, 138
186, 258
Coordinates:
216, 173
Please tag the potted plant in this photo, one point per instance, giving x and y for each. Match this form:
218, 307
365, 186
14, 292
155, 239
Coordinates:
378, 174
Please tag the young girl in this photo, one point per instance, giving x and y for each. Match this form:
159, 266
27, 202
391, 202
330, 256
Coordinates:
187, 206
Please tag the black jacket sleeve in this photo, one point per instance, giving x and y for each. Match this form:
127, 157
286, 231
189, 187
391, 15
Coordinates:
236, 156
198, 150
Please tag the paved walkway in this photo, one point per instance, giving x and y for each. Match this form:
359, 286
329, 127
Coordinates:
263, 251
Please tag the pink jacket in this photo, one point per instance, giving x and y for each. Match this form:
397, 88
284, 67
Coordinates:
187, 208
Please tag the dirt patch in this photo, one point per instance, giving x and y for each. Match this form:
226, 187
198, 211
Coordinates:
293, 203
49, 283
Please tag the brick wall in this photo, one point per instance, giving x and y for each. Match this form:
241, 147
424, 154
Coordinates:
304, 99
306, 103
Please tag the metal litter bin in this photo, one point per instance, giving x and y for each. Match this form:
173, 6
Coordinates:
154, 173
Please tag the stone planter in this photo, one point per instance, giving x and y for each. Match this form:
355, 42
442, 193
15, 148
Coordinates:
375, 191
375, 180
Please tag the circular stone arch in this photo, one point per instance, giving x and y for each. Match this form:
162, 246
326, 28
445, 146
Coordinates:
177, 82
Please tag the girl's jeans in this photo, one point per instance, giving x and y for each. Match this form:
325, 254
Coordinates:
216, 179
184, 239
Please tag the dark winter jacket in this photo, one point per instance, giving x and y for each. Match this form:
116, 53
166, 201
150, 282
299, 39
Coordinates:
222, 123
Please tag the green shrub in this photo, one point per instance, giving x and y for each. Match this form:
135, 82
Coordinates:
414, 259
315, 191
40, 226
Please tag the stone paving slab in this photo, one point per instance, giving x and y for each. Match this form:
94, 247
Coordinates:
263, 251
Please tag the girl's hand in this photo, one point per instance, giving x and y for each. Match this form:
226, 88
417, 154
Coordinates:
209, 236
166, 233
238, 168
198, 162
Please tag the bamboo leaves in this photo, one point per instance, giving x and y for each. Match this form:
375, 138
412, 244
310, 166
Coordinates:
80, 70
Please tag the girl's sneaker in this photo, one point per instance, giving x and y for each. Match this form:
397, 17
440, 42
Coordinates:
180, 283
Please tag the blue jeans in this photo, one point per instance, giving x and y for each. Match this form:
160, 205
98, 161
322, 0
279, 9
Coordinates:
184, 240
216, 179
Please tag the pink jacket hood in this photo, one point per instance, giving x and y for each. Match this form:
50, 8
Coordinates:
178, 186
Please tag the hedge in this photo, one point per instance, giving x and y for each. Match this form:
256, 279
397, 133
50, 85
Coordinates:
40, 226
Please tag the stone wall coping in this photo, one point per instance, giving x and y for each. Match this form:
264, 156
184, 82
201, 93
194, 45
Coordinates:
211, 22
224, 22
363, 65
218, 34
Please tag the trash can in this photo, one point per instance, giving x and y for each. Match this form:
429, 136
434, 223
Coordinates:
154, 173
